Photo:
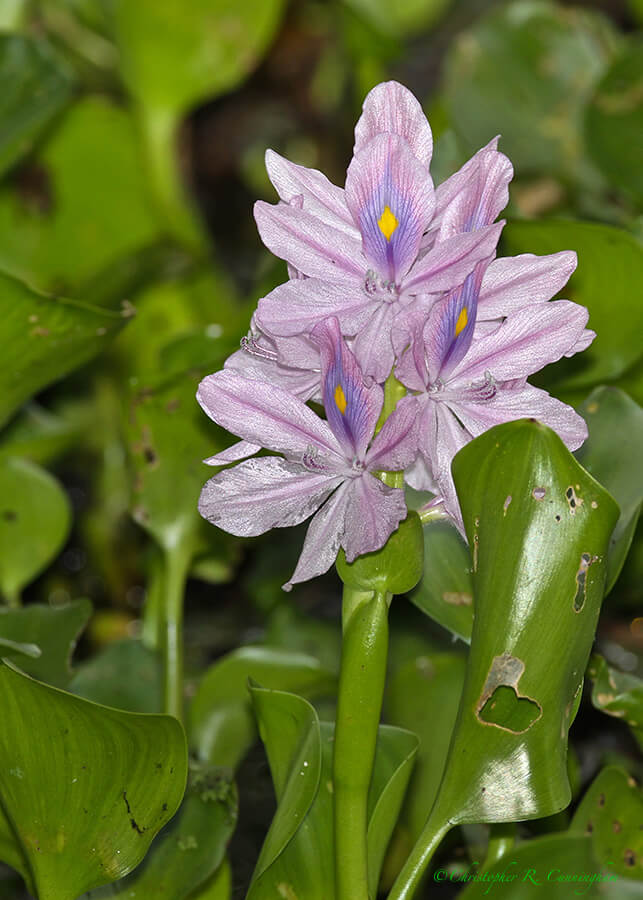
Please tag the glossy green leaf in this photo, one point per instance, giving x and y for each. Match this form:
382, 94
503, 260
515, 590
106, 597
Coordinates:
403, 18
611, 812
615, 121
125, 674
37, 85
85, 788
538, 526
45, 338
525, 71
396, 568
559, 866
81, 205
616, 464
199, 48
190, 849
297, 857
423, 695
222, 724
610, 261
52, 631
618, 694
290, 731
35, 517
446, 590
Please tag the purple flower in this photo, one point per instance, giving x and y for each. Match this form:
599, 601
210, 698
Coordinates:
466, 380
327, 468
369, 251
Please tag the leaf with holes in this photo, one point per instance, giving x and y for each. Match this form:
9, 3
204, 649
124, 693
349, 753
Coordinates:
611, 812
616, 464
37, 85
84, 787
618, 694
45, 338
221, 720
52, 631
538, 574
446, 592
35, 517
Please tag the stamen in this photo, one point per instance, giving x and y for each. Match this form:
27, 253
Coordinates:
311, 459
387, 223
251, 345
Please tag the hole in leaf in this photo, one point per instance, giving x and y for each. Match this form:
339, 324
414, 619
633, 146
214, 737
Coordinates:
507, 710
629, 857
586, 560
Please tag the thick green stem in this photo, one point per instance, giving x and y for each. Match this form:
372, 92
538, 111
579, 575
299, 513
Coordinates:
409, 879
501, 840
176, 569
361, 686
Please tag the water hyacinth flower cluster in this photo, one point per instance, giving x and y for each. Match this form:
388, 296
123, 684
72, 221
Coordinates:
388, 276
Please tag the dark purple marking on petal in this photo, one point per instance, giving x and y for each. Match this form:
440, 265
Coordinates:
352, 407
391, 198
449, 328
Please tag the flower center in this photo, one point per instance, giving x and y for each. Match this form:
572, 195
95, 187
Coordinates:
379, 288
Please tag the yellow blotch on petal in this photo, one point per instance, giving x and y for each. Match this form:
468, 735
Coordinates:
340, 399
387, 222
461, 324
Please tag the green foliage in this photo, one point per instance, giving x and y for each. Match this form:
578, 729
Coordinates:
125, 674
84, 788
51, 632
610, 261
609, 411
37, 86
446, 591
615, 120
45, 338
222, 724
618, 694
34, 523
298, 852
396, 568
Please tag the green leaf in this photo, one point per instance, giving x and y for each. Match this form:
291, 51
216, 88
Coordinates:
423, 695
539, 527
526, 71
297, 857
222, 725
125, 674
52, 630
396, 568
200, 48
85, 788
35, 517
37, 85
45, 338
615, 463
446, 590
618, 694
555, 864
219, 887
81, 205
611, 812
43, 435
614, 121
610, 261
190, 849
